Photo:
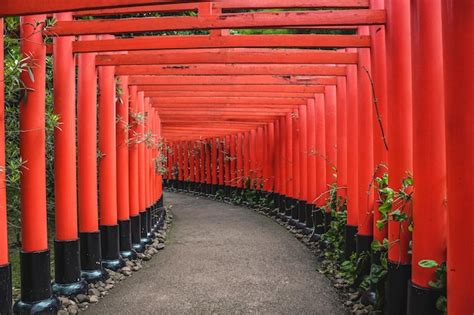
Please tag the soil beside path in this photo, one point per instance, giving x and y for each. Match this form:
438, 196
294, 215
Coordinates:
223, 259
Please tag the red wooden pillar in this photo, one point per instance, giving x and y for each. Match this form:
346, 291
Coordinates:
233, 162
186, 165
366, 151
400, 155
289, 201
5, 267
296, 165
246, 160
253, 159
282, 166
202, 156
66, 246
108, 168
214, 149
341, 109
330, 113
458, 16
303, 154
380, 122
161, 144
208, 148
269, 177
142, 200
148, 165
260, 143
123, 180
312, 158
36, 289
321, 188
134, 174
240, 162
87, 167
221, 149
180, 163
226, 159
353, 160
192, 162
429, 159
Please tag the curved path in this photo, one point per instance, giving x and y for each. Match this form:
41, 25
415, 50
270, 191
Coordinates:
223, 259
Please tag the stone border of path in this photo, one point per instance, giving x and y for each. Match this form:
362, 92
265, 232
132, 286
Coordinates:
99, 290
349, 296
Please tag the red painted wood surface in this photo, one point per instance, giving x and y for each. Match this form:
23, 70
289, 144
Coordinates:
28, 7
32, 141
65, 137
459, 107
231, 4
225, 69
229, 56
235, 41
225, 21
230, 79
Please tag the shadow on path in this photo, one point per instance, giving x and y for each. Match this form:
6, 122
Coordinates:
223, 259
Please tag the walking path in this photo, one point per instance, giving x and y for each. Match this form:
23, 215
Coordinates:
223, 259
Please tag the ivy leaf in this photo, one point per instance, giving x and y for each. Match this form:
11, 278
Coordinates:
427, 263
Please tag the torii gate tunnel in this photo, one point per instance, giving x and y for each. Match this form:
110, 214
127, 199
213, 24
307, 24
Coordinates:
372, 88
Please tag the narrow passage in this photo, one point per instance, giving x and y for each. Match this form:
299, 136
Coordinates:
223, 259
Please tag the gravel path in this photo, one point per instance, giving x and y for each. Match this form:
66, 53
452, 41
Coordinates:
222, 259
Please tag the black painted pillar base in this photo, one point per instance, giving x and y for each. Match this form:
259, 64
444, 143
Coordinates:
68, 281
110, 245
396, 288
289, 204
36, 294
309, 216
150, 233
145, 239
6, 289
301, 216
350, 240
327, 221
160, 202
135, 227
318, 220
422, 301
363, 245
125, 237
91, 257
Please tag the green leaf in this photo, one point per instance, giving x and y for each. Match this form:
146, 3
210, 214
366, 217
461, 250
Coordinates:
427, 263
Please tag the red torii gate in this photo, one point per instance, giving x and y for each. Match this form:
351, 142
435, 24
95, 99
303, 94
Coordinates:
408, 130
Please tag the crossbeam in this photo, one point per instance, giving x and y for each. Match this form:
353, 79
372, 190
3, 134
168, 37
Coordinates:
269, 88
231, 80
227, 100
230, 56
210, 94
233, 4
30, 7
233, 41
226, 69
223, 21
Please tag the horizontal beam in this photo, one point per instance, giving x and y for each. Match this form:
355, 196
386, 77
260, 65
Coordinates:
230, 79
226, 111
223, 21
236, 88
233, 41
243, 107
209, 94
231, 69
227, 100
233, 4
231, 118
30, 7
230, 56
181, 123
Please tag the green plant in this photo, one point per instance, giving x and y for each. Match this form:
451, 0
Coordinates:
440, 282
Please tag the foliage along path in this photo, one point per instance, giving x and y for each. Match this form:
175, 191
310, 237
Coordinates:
224, 259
